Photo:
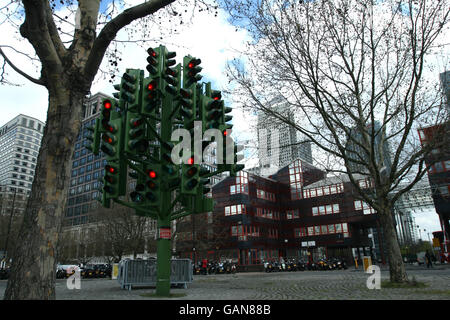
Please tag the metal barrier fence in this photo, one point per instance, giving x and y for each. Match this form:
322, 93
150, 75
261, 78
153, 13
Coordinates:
143, 273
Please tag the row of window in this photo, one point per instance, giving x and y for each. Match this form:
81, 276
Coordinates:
261, 194
243, 232
267, 213
326, 209
239, 188
235, 209
322, 230
294, 214
93, 166
441, 166
323, 190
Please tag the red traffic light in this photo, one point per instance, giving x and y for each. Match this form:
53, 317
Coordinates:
151, 174
107, 104
152, 86
152, 52
193, 63
191, 161
110, 169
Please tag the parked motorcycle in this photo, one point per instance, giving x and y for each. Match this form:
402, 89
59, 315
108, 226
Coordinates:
312, 266
220, 268
301, 265
268, 266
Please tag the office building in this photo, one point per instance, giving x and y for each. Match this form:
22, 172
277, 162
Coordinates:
359, 157
297, 213
278, 142
20, 140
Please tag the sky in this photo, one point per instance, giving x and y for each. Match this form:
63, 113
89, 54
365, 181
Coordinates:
210, 38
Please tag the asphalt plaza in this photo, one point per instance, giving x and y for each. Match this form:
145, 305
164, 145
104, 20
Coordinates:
347, 284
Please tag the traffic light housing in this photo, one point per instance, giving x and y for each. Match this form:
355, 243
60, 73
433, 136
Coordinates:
152, 191
190, 177
111, 180
129, 88
135, 139
111, 143
191, 70
154, 58
172, 75
94, 137
211, 113
106, 110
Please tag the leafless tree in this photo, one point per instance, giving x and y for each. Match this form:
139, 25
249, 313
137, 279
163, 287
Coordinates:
122, 231
357, 76
67, 57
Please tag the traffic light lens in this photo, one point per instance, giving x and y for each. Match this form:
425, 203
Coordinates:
152, 174
107, 105
191, 171
151, 86
191, 160
110, 169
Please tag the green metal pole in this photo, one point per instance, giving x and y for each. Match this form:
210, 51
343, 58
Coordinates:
163, 259
164, 250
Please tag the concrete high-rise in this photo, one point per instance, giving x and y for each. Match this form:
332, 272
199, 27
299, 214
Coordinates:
20, 140
359, 158
279, 143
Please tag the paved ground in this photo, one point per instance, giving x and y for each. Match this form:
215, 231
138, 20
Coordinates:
307, 285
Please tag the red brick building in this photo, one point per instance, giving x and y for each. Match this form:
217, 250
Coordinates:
297, 212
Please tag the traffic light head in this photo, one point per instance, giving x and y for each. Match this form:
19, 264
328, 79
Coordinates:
129, 89
94, 137
111, 143
136, 141
190, 177
191, 70
105, 114
170, 74
152, 192
111, 181
154, 61
151, 97
210, 113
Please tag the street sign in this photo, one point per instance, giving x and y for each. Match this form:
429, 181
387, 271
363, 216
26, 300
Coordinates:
164, 233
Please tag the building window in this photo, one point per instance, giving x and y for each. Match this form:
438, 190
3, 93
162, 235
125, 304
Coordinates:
361, 205
296, 179
326, 209
261, 194
323, 190
234, 210
241, 185
322, 230
292, 214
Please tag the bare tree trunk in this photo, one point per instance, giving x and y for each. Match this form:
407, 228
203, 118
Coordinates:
34, 259
397, 269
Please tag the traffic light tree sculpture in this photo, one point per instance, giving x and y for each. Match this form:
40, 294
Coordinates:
135, 132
